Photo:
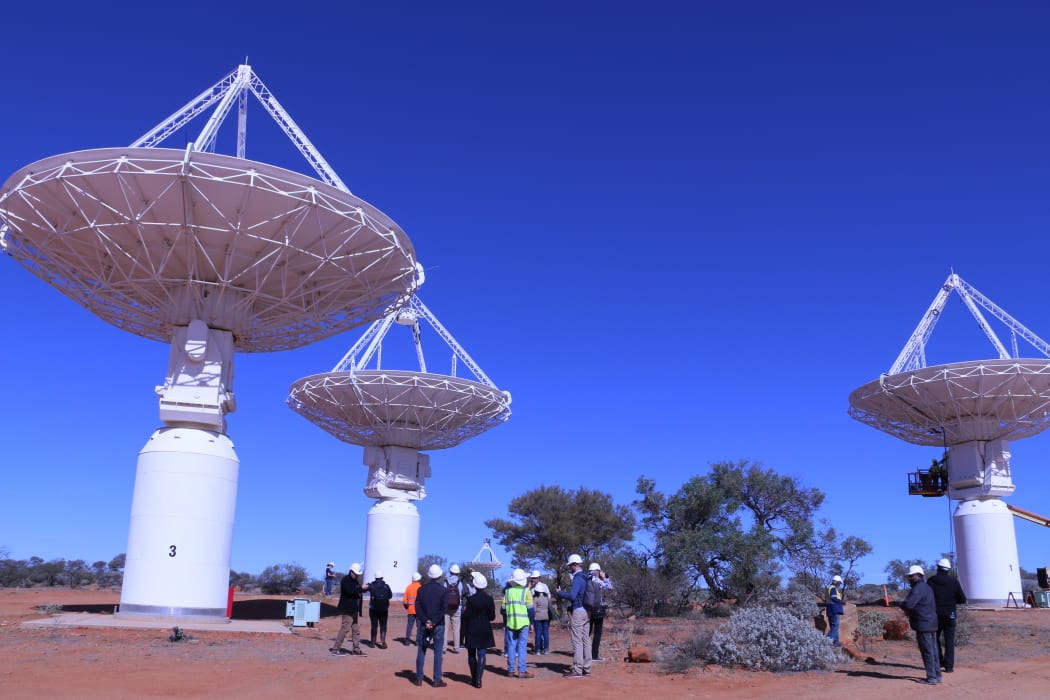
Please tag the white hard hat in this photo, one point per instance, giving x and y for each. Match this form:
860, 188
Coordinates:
356, 568
519, 577
479, 580
379, 574
836, 579
454, 569
434, 571
416, 576
916, 569
595, 566
535, 573
331, 564
944, 564
575, 559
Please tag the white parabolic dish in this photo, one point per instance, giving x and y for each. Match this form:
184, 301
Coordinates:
960, 402
149, 239
409, 409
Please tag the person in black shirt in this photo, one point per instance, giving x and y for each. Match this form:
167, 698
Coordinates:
350, 590
379, 595
948, 592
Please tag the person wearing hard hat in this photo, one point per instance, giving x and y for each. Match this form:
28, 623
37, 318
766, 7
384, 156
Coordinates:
479, 610
329, 578
581, 644
541, 618
456, 591
921, 608
409, 601
431, 606
379, 595
598, 613
350, 594
833, 607
947, 593
517, 600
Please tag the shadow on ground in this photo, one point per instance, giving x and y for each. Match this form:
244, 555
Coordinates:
259, 609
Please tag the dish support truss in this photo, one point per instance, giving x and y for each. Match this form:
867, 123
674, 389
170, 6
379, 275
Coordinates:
370, 344
913, 356
235, 88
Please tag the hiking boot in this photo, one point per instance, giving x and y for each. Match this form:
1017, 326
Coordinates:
525, 674
440, 684
358, 652
571, 674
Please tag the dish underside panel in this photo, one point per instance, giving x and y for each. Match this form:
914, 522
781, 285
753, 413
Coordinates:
960, 402
149, 239
409, 409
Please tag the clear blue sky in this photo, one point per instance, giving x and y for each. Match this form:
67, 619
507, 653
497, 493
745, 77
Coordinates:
678, 233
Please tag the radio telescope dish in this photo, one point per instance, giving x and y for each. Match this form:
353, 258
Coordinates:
959, 402
149, 239
972, 410
486, 560
395, 407
394, 415
209, 253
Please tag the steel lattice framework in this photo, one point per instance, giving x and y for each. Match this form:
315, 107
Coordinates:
395, 407
150, 239
960, 402
418, 409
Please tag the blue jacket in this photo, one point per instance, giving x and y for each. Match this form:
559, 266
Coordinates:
921, 607
575, 594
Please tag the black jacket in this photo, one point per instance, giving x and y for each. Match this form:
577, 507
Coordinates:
432, 603
479, 610
379, 595
350, 595
947, 592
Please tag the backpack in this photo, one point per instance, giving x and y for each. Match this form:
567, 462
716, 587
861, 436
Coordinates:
592, 595
380, 596
453, 597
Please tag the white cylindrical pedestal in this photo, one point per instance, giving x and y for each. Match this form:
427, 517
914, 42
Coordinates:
987, 551
179, 540
392, 543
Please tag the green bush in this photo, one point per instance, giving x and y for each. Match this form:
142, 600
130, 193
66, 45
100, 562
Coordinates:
871, 624
771, 639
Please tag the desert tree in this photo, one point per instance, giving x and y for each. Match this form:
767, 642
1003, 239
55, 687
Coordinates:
734, 529
549, 523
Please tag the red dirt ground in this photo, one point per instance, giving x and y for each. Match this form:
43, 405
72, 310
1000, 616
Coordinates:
1008, 656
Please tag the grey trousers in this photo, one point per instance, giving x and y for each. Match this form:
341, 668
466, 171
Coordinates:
581, 641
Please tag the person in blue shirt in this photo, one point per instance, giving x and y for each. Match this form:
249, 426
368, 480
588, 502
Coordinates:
581, 643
